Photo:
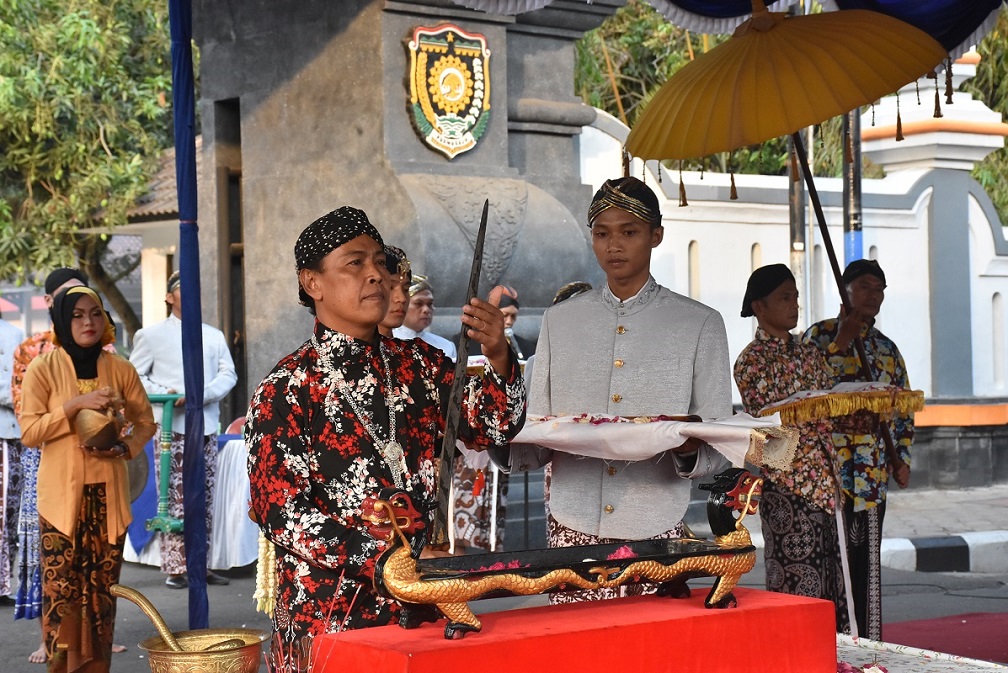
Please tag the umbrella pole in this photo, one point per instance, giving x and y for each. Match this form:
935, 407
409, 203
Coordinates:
821, 218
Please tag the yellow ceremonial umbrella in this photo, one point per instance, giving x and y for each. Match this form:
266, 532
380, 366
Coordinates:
778, 74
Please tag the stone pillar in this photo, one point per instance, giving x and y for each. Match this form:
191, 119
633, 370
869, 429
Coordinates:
320, 94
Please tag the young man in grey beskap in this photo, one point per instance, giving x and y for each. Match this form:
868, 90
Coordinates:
628, 348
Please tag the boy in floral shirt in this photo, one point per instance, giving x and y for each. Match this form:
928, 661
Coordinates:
797, 510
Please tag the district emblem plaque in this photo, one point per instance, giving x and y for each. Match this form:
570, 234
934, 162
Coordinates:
449, 82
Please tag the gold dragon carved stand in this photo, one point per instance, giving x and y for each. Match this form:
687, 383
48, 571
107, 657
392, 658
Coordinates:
448, 583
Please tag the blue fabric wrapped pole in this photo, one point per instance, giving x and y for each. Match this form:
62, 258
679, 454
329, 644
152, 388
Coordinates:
194, 472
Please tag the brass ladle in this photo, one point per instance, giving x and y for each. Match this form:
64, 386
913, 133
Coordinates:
121, 591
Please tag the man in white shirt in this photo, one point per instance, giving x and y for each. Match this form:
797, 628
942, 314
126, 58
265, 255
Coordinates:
157, 356
419, 316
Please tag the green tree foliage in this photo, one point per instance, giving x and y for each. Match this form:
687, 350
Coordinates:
634, 51
991, 86
83, 118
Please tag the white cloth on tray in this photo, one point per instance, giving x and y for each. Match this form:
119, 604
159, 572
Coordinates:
614, 438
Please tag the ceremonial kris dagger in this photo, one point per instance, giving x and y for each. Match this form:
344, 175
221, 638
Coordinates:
440, 532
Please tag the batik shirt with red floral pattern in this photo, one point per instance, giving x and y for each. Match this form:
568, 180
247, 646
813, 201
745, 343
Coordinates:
28, 350
770, 369
864, 468
312, 463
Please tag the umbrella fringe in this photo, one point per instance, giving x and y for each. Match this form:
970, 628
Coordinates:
795, 172
733, 194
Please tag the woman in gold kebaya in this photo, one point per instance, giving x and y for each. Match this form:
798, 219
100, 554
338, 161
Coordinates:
83, 491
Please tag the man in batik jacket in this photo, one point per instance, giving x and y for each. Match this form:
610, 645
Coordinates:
349, 413
865, 466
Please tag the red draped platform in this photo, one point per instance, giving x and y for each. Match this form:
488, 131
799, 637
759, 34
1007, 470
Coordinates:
766, 632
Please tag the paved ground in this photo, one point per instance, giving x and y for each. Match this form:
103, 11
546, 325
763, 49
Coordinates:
229, 606
924, 514
973, 517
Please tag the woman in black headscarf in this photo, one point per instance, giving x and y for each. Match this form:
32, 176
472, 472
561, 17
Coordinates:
83, 491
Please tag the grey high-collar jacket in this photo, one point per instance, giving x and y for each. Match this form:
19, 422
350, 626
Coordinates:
657, 353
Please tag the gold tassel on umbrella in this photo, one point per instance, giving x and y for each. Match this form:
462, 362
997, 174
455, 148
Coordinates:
733, 194
937, 110
682, 189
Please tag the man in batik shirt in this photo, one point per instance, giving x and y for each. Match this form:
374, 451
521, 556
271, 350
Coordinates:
865, 467
350, 413
797, 509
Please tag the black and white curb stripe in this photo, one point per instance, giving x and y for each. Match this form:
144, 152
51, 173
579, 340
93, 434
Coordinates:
980, 552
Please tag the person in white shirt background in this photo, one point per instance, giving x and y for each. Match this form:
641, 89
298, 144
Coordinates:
157, 356
10, 466
419, 316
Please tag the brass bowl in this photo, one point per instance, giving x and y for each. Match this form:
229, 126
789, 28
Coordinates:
96, 429
197, 659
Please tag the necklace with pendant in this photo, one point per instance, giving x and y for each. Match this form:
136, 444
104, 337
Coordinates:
390, 450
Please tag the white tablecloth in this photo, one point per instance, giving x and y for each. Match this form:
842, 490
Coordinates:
234, 540
861, 652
